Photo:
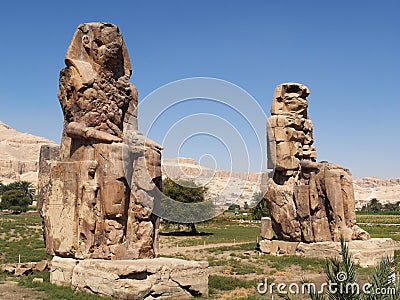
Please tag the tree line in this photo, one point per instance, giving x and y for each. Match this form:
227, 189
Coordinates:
374, 205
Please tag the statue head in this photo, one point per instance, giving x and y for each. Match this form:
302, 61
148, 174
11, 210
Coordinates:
101, 46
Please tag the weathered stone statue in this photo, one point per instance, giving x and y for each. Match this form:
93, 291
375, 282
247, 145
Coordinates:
97, 191
309, 201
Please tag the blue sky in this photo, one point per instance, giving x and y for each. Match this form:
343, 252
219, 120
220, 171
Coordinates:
346, 52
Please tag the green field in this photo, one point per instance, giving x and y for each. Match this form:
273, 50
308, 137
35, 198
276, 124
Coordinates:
369, 222
215, 233
21, 238
378, 218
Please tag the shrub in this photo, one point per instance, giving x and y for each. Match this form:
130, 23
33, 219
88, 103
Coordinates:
261, 209
15, 200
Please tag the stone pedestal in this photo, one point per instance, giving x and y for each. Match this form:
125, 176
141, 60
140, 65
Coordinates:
277, 247
365, 253
158, 278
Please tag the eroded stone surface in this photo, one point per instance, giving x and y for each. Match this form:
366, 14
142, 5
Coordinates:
158, 278
365, 253
266, 228
309, 201
97, 191
19, 269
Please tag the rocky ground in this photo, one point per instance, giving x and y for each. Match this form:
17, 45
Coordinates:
11, 290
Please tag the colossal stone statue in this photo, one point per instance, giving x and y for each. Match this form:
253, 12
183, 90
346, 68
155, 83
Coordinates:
309, 201
97, 190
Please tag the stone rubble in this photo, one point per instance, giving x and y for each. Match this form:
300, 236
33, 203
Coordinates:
19, 269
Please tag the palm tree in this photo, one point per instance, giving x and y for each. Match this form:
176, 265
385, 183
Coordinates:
1, 188
27, 188
343, 272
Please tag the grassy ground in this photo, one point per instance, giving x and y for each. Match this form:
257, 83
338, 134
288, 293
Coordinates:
214, 233
235, 270
21, 238
47, 290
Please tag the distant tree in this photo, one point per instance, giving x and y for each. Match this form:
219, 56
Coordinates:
186, 191
24, 186
391, 206
261, 209
27, 188
374, 205
15, 200
234, 207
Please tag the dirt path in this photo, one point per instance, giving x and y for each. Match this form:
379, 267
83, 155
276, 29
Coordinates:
10, 290
181, 250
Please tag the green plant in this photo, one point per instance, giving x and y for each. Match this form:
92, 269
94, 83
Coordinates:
56, 292
185, 191
234, 207
227, 283
21, 238
261, 209
24, 186
15, 200
374, 205
342, 274
282, 263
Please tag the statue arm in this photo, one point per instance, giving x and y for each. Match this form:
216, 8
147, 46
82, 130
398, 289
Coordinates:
77, 130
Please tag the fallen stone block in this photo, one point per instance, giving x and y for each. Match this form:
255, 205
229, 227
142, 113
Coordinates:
158, 278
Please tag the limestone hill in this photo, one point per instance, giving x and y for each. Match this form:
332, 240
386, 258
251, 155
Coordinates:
19, 154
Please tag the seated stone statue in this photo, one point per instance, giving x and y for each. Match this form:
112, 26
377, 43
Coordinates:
309, 201
96, 191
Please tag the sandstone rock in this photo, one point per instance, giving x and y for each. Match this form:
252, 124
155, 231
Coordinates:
41, 266
365, 253
158, 278
308, 201
283, 212
8, 268
266, 228
62, 270
283, 247
37, 280
19, 271
97, 190
265, 246
23, 268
